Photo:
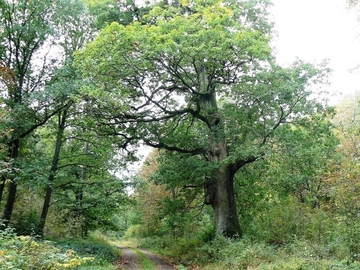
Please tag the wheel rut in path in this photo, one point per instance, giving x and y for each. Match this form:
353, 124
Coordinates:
131, 260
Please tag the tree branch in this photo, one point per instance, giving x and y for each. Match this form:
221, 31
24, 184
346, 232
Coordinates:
242, 162
196, 151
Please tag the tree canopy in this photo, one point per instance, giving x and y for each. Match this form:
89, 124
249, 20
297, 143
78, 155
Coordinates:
198, 79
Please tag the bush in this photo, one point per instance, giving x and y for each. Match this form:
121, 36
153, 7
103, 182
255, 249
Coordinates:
278, 223
236, 254
282, 222
134, 231
27, 223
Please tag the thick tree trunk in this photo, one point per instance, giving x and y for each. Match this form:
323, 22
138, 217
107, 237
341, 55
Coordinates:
224, 205
220, 194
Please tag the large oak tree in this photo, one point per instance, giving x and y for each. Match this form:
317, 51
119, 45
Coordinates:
199, 80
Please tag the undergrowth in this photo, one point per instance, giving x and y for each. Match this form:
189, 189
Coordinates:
97, 246
27, 253
224, 253
273, 240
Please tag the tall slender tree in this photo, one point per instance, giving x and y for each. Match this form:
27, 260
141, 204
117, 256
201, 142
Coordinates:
73, 30
28, 40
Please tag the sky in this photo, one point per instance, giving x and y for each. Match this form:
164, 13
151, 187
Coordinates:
315, 30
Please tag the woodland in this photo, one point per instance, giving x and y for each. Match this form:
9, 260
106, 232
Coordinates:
170, 126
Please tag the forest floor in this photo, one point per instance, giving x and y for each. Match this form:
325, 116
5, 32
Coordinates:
137, 259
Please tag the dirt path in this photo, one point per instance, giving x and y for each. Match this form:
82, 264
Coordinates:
131, 260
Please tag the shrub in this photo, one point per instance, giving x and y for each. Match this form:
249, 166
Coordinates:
278, 223
237, 254
27, 223
282, 222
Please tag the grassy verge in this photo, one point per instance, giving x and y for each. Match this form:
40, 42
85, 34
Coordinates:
97, 246
221, 253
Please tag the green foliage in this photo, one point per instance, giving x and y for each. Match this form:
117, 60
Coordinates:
233, 254
134, 231
24, 252
94, 211
155, 75
27, 223
222, 253
185, 249
102, 252
107, 11
300, 160
283, 221
180, 249
38, 85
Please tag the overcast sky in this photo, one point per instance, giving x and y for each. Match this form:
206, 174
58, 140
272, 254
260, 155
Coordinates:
314, 30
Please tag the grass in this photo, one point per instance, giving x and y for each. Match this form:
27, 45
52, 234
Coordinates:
105, 253
145, 262
133, 244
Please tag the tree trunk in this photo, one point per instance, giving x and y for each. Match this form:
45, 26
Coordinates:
9, 206
45, 210
219, 190
2, 186
53, 170
10, 203
220, 194
224, 205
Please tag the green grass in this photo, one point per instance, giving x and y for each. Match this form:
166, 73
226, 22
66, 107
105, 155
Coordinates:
100, 248
145, 262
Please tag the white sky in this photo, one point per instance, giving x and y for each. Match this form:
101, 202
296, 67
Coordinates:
314, 30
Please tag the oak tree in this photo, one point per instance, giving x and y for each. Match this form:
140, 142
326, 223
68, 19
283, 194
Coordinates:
198, 80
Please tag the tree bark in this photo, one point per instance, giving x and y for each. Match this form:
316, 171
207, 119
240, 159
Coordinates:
219, 191
9, 206
53, 170
2, 186
45, 210
224, 205
220, 194
10, 203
